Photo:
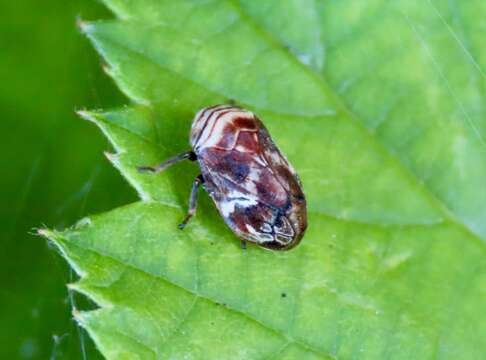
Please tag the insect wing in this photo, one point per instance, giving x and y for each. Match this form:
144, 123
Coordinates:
226, 180
255, 189
285, 174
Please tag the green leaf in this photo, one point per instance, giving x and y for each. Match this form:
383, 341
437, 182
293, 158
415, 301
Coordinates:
379, 106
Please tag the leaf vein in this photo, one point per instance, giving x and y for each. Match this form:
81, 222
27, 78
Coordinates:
161, 277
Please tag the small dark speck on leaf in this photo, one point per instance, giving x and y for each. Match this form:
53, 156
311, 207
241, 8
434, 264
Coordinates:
283, 295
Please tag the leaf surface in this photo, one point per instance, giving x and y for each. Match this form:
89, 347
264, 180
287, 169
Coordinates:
378, 105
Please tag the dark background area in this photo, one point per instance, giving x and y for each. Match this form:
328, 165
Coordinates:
53, 170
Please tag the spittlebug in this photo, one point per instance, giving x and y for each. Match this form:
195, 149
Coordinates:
255, 189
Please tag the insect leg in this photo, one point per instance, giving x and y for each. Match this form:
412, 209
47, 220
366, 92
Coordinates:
164, 165
192, 201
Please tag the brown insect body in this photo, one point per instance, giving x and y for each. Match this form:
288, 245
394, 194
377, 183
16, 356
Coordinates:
255, 189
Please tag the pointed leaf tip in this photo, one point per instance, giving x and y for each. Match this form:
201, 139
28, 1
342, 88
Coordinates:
110, 156
86, 115
83, 26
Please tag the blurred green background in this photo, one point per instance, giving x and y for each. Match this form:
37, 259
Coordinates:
53, 169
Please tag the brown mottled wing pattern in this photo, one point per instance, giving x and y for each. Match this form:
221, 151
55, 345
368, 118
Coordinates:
255, 189
286, 175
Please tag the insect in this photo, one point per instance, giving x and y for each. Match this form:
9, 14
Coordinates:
255, 189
